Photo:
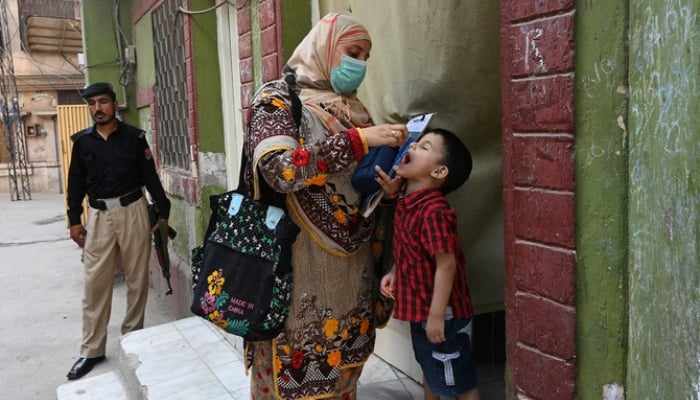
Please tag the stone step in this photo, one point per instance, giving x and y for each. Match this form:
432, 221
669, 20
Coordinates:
104, 386
185, 359
191, 359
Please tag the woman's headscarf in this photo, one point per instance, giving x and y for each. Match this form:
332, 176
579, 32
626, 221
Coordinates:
311, 63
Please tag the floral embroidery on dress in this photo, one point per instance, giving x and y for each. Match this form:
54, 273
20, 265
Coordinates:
322, 165
328, 345
310, 169
317, 180
300, 157
288, 174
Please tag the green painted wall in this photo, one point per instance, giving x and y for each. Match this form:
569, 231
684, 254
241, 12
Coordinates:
664, 139
256, 43
601, 195
101, 49
207, 78
296, 23
145, 54
637, 140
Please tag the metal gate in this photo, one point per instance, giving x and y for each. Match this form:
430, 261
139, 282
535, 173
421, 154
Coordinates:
71, 119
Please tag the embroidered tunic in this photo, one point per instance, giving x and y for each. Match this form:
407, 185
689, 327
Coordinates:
330, 331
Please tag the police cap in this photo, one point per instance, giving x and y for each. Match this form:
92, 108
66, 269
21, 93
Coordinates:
98, 88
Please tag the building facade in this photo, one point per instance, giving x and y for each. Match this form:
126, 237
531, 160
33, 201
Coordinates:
41, 43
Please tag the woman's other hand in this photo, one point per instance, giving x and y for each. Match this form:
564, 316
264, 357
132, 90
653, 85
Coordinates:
393, 135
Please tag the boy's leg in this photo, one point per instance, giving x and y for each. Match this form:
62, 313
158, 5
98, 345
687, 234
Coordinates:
470, 395
447, 367
427, 393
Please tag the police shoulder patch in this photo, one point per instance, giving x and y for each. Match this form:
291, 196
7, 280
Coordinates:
76, 136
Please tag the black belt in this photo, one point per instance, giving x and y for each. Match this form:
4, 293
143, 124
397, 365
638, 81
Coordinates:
109, 204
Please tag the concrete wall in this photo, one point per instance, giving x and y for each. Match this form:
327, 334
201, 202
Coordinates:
664, 194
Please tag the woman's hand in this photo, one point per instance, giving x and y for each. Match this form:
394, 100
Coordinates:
393, 135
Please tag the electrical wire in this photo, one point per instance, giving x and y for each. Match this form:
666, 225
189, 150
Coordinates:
126, 67
28, 54
12, 122
206, 10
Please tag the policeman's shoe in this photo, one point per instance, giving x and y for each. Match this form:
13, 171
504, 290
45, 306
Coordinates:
83, 366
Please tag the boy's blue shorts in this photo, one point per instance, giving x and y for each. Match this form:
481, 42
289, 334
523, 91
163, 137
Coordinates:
447, 367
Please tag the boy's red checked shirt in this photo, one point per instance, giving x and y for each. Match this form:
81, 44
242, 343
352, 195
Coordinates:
424, 225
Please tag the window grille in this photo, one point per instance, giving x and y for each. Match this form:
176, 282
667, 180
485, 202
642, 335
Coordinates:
69, 97
171, 86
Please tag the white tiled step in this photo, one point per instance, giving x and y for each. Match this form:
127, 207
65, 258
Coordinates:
185, 359
105, 386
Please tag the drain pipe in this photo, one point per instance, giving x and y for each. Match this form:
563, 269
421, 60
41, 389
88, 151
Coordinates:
57, 146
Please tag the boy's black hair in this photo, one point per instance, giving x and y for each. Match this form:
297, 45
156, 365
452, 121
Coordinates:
456, 157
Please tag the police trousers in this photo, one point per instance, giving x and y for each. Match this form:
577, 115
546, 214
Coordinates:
120, 231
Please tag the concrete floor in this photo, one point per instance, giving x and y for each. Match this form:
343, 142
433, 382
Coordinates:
40, 322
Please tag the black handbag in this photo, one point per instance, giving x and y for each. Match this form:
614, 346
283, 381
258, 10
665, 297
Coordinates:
245, 282
242, 273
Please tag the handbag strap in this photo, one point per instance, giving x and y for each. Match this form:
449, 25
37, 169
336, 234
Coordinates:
266, 192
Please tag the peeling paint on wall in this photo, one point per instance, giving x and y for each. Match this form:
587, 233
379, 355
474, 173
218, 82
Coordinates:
613, 391
664, 192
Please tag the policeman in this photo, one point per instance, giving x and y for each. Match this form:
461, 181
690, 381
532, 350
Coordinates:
110, 163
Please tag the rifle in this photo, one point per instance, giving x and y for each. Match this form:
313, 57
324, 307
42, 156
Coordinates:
160, 243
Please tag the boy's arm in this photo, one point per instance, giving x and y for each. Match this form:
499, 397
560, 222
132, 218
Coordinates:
446, 266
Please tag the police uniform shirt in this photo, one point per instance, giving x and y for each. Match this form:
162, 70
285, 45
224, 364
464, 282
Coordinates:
111, 168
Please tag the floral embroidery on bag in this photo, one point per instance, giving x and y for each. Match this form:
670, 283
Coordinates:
216, 299
245, 232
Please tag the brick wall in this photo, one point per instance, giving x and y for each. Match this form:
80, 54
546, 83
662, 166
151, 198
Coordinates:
268, 13
538, 150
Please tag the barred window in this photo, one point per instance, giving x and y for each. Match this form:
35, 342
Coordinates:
171, 86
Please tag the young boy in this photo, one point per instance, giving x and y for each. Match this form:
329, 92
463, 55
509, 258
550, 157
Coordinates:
428, 272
